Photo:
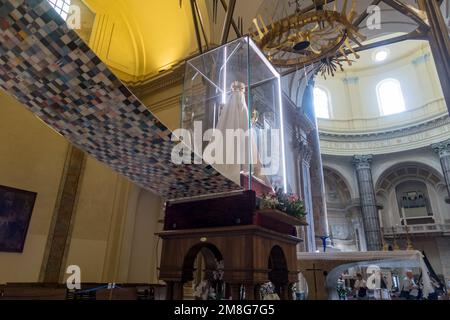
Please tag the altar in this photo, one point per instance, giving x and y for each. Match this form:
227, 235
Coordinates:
234, 241
233, 245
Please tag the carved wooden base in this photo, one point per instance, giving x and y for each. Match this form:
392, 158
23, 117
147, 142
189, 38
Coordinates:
252, 256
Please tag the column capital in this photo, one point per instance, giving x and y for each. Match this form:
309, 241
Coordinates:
306, 153
303, 147
351, 80
362, 161
442, 148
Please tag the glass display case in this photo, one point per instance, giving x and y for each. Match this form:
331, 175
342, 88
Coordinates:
232, 106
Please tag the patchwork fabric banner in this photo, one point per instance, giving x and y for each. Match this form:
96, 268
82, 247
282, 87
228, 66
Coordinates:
50, 70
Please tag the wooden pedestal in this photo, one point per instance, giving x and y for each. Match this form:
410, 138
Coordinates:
252, 256
256, 246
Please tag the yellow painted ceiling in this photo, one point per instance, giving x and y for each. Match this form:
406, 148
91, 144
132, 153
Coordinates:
138, 38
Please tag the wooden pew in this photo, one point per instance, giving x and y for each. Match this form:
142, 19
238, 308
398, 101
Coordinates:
89, 291
33, 291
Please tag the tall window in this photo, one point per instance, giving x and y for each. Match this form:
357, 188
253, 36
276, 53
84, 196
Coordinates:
321, 103
390, 97
61, 6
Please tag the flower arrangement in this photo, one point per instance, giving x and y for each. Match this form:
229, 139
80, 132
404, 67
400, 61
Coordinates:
290, 204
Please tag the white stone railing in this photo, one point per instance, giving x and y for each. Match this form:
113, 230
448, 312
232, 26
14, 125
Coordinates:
415, 229
410, 117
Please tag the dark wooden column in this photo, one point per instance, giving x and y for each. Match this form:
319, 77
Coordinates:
169, 290
178, 290
439, 43
59, 235
235, 291
249, 292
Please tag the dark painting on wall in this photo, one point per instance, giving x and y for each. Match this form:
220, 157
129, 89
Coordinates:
16, 207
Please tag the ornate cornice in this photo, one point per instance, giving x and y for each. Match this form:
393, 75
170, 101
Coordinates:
362, 161
170, 78
387, 134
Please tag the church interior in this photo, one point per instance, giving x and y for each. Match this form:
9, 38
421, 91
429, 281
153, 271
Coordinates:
119, 174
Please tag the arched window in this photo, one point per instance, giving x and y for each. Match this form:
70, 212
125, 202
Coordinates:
61, 6
321, 103
390, 97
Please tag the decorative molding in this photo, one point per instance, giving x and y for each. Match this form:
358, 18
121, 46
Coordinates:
362, 161
415, 136
442, 148
166, 104
419, 116
406, 171
351, 80
421, 59
170, 78
388, 134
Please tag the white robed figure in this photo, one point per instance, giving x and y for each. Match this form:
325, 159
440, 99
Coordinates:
235, 118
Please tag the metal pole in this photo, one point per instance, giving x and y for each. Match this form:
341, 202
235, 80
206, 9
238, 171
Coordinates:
228, 21
197, 31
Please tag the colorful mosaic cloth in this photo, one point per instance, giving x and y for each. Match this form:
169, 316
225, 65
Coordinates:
49, 69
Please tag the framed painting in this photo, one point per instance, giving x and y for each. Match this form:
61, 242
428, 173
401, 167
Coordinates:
16, 207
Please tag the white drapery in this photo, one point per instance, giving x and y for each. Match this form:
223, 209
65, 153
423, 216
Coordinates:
235, 116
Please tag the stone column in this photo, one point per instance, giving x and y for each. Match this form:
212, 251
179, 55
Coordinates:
367, 197
316, 173
443, 149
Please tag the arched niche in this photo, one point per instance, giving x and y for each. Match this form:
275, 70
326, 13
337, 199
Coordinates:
335, 182
344, 217
397, 177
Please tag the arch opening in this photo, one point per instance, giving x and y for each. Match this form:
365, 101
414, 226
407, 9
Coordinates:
202, 274
278, 269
